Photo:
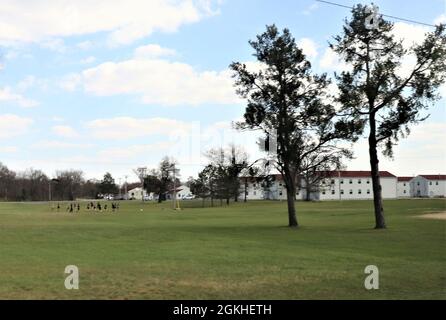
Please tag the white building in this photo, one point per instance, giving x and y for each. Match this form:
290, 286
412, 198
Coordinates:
356, 185
339, 185
182, 191
432, 185
404, 187
137, 194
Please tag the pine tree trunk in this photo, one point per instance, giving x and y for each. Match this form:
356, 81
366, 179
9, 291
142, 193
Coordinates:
376, 183
290, 195
292, 219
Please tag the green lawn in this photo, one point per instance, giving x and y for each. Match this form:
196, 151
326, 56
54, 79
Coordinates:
239, 252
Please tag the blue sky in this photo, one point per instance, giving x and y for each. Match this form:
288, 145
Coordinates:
113, 85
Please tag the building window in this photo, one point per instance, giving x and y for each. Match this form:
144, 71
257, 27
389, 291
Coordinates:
342, 191
351, 191
323, 181
323, 192
254, 185
359, 181
342, 181
368, 191
436, 183
368, 181
404, 184
280, 193
359, 191
332, 181
430, 183
333, 192
404, 191
255, 193
418, 183
350, 181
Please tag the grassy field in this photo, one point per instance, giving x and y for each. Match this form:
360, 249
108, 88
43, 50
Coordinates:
237, 252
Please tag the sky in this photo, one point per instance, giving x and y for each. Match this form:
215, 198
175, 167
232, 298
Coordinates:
112, 85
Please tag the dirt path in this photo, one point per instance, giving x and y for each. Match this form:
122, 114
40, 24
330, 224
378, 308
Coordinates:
435, 215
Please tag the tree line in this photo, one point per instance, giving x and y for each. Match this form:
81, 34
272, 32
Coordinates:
34, 185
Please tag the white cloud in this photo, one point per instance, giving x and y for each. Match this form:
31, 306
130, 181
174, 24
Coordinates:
128, 127
88, 60
440, 19
12, 125
443, 91
156, 81
308, 47
31, 81
57, 119
8, 149
70, 82
53, 144
331, 60
152, 51
7, 95
84, 45
54, 44
310, 9
65, 131
423, 151
410, 34
132, 151
126, 20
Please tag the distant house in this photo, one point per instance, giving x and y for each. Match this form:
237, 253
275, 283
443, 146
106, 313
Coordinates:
182, 191
137, 194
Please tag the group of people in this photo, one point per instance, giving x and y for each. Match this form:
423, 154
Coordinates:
99, 207
91, 206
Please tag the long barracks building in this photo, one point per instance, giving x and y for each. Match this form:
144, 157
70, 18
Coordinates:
348, 185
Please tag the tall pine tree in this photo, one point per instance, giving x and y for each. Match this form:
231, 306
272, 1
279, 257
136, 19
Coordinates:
377, 92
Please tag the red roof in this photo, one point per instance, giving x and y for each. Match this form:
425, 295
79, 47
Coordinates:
404, 178
359, 174
434, 176
350, 174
